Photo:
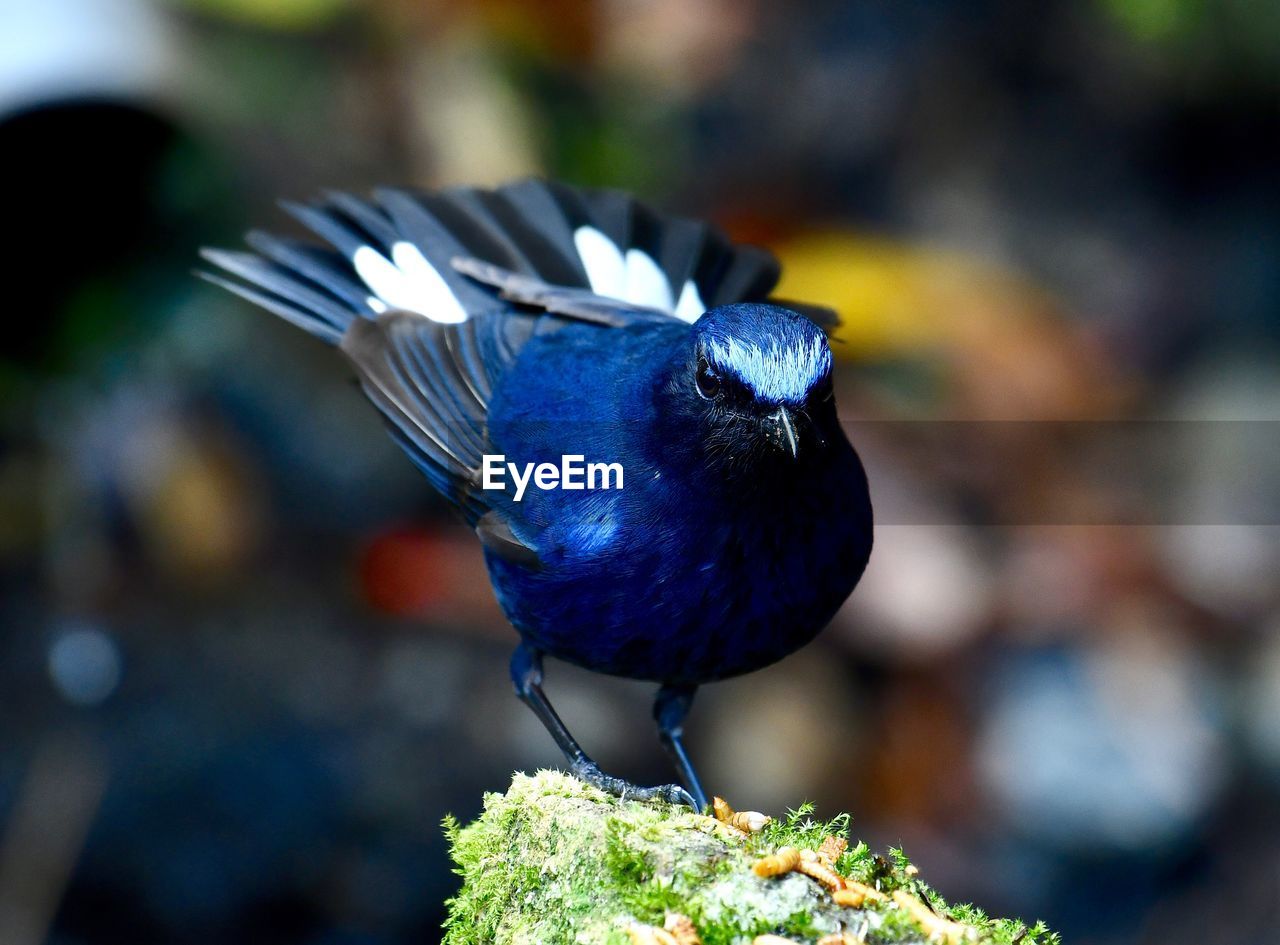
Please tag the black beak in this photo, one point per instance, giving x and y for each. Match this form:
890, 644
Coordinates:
780, 428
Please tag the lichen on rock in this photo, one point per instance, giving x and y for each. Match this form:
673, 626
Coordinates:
556, 862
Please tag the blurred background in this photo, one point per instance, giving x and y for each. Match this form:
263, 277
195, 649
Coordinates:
248, 662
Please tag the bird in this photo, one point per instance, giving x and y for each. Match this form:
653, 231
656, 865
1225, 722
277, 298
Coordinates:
538, 321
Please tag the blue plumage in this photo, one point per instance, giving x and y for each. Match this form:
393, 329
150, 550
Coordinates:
539, 321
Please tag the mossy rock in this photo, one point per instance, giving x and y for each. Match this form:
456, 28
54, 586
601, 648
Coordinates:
556, 862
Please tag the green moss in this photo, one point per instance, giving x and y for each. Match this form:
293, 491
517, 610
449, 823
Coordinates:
555, 862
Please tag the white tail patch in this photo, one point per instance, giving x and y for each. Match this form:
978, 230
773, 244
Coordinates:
606, 269
690, 307
646, 283
407, 282
633, 277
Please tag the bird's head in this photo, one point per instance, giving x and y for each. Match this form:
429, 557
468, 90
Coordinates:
757, 380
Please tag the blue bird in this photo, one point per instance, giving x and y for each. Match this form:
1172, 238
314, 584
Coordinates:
646, 446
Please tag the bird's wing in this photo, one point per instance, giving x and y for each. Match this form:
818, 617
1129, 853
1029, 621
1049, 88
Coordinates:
496, 535
432, 382
431, 337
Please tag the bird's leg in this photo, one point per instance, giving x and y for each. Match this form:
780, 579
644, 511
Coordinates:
526, 673
669, 709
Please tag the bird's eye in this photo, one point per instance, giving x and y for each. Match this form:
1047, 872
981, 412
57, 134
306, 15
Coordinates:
708, 380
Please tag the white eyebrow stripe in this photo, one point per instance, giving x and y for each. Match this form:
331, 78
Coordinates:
601, 258
690, 307
776, 373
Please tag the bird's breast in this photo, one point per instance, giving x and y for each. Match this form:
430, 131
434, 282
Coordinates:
661, 582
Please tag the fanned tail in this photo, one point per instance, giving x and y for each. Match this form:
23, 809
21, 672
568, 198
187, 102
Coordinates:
396, 252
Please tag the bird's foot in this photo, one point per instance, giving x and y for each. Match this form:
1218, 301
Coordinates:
590, 772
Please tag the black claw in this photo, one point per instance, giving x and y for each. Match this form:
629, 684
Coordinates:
671, 793
678, 795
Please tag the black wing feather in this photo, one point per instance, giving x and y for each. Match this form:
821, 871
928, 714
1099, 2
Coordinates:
465, 350
345, 238
303, 319
610, 211
322, 266
370, 219
435, 425
749, 274
282, 283
556, 262
496, 535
